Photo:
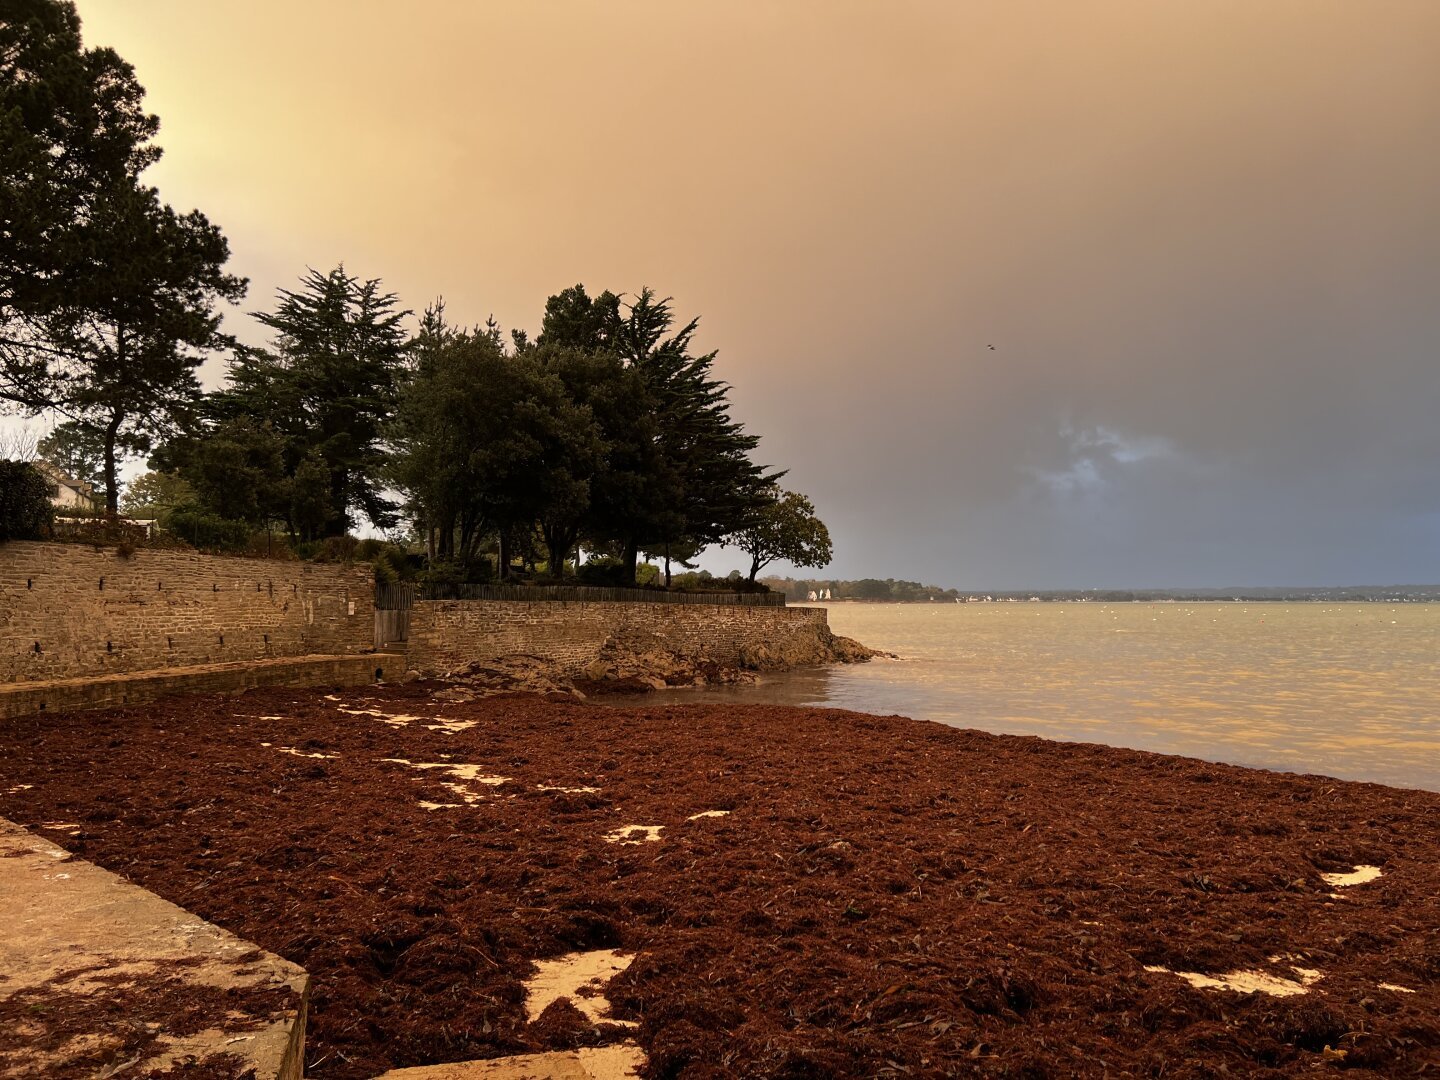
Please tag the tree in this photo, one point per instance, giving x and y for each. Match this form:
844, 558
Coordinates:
707, 485
236, 469
487, 442
152, 494
76, 450
328, 385
25, 509
677, 469
107, 302
684, 552
440, 417
785, 529
72, 126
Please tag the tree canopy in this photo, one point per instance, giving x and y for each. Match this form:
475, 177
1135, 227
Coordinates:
788, 529
326, 386
107, 295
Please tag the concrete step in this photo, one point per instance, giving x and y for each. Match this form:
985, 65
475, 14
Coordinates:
100, 970
131, 688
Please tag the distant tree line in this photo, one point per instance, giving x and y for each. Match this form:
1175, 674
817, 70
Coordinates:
876, 589
607, 431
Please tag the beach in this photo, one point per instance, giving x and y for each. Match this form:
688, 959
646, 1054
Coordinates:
781, 891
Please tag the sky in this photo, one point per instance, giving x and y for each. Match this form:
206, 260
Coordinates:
1073, 293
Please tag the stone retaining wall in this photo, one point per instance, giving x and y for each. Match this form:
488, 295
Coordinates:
446, 635
70, 610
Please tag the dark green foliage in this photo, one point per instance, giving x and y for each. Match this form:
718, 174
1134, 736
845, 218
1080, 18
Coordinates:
236, 469
788, 529
676, 471
312, 508
326, 386
25, 510
107, 296
208, 531
154, 493
605, 570
490, 443
76, 450
72, 124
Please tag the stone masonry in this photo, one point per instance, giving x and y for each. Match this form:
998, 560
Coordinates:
71, 610
446, 635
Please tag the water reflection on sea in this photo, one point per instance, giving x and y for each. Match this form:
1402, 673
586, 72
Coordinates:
1347, 690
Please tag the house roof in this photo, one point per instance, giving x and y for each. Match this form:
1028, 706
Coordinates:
57, 475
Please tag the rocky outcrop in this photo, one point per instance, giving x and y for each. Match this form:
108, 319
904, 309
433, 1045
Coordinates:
806, 650
634, 661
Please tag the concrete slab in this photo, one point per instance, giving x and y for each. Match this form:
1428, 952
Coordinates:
99, 977
619, 1062
137, 687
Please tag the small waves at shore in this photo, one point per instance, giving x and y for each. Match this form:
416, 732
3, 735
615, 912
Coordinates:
1346, 690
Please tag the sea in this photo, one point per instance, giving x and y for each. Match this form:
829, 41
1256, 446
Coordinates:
1350, 690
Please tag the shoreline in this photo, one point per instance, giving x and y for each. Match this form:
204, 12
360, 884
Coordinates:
826, 893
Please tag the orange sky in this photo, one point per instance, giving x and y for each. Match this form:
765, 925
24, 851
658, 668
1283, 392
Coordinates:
1202, 235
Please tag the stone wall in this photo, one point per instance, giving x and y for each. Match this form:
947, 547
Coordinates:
446, 635
70, 610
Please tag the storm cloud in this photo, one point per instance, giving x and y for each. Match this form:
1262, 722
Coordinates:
1203, 240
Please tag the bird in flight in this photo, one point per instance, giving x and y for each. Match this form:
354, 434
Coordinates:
990, 347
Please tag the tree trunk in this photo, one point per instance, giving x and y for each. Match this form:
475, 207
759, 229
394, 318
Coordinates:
667, 564
755, 565
339, 523
630, 560
503, 569
112, 482
556, 558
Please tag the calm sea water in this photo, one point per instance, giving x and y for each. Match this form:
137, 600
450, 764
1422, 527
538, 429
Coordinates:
1348, 690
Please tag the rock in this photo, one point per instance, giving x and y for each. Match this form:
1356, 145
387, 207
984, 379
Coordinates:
454, 694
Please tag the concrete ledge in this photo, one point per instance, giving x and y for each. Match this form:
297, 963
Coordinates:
104, 978
107, 691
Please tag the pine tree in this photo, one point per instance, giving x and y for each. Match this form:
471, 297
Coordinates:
328, 384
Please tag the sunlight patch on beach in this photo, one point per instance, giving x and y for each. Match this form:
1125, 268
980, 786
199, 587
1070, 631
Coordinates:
708, 813
1247, 982
580, 977
395, 720
449, 727
18, 788
297, 753
634, 834
1359, 876
1397, 989
458, 770
568, 790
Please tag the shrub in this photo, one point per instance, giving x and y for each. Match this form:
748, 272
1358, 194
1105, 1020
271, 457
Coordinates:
25, 510
269, 545
337, 549
442, 572
603, 570
389, 561
202, 529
